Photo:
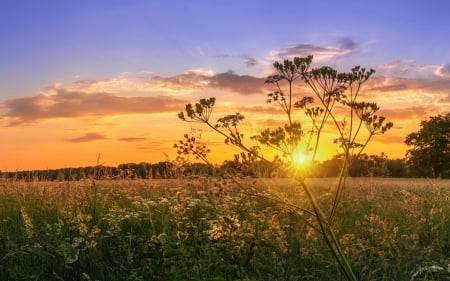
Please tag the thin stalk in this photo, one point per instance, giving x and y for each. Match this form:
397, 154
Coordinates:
328, 234
290, 103
340, 187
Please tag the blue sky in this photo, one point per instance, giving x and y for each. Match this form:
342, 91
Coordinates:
65, 44
46, 41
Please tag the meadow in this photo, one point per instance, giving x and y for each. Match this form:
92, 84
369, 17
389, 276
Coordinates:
216, 229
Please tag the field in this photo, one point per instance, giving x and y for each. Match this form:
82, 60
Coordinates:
209, 229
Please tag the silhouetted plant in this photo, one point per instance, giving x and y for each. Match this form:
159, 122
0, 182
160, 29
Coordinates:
336, 94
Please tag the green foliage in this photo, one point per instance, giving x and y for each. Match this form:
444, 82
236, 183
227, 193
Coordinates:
430, 152
210, 229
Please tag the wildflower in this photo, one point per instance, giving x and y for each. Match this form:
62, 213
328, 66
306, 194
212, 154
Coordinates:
77, 241
82, 228
426, 269
216, 232
91, 244
94, 231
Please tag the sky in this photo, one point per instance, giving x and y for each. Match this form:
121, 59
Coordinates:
91, 82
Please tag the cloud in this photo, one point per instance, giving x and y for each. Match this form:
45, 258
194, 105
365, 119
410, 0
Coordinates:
389, 138
245, 59
189, 80
342, 47
390, 65
242, 84
250, 61
80, 99
439, 87
346, 43
125, 82
406, 68
65, 103
261, 109
443, 71
87, 138
406, 113
132, 139
230, 81
445, 99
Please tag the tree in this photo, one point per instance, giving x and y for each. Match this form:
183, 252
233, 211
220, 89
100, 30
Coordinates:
430, 152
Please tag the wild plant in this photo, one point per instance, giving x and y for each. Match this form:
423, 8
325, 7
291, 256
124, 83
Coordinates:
335, 107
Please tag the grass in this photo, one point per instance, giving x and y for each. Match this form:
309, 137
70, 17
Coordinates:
208, 229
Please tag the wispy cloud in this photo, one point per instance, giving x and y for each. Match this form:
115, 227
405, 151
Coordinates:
125, 82
343, 46
133, 139
406, 68
261, 109
87, 138
390, 138
445, 99
241, 84
189, 80
346, 43
79, 100
247, 60
250, 61
391, 64
407, 113
64, 103
443, 71
386, 84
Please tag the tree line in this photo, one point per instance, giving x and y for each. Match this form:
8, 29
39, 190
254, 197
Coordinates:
364, 166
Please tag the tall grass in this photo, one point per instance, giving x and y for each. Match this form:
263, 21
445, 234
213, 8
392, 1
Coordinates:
207, 229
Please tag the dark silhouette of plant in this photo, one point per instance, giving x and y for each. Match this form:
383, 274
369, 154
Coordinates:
430, 152
189, 145
335, 100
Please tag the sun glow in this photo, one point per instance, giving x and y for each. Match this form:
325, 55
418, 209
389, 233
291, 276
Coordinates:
299, 159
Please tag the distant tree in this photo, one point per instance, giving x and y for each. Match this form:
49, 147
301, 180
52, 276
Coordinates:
430, 152
360, 166
396, 167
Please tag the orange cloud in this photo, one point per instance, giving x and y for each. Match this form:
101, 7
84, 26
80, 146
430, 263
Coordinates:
405, 68
265, 109
190, 80
418, 88
446, 99
87, 138
70, 104
407, 113
132, 139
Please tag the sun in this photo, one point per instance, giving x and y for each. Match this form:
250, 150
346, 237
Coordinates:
299, 159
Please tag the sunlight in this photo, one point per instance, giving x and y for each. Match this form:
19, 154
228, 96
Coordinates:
299, 159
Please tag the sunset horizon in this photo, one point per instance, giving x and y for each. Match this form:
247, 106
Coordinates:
87, 83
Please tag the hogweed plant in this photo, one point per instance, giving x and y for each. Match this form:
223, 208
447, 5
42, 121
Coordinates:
334, 106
